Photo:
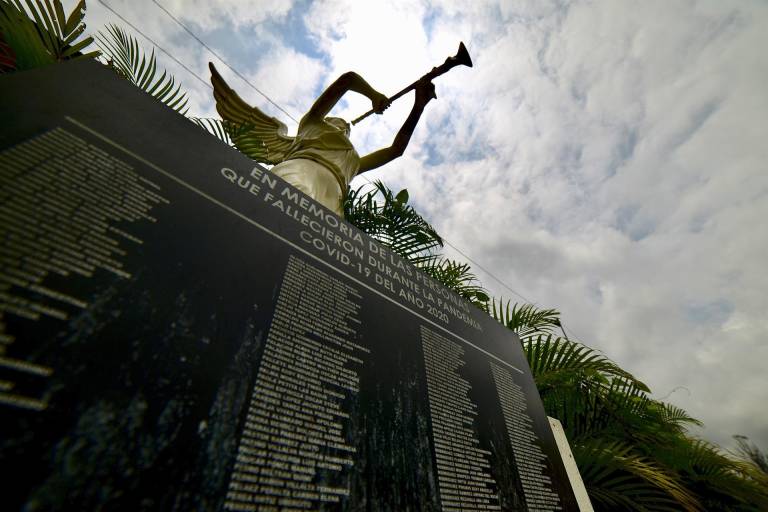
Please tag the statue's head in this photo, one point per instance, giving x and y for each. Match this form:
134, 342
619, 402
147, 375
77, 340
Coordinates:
339, 123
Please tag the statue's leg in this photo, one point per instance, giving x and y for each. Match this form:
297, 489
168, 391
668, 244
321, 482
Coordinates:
314, 180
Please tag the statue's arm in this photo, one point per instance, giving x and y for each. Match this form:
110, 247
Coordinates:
349, 81
424, 93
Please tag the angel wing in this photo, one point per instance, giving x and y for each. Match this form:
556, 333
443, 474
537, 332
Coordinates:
256, 134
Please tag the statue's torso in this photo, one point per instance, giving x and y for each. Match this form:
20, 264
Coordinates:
329, 146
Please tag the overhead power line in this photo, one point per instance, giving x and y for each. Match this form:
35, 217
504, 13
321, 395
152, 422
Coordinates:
179, 23
177, 61
478, 265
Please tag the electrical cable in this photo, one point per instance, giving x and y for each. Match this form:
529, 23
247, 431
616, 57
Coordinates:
177, 61
174, 18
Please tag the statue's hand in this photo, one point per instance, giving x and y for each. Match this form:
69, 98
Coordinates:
425, 92
379, 102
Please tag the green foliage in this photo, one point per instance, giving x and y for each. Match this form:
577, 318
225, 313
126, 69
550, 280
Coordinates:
393, 222
225, 131
616, 478
40, 33
722, 482
675, 417
633, 452
123, 54
525, 319
457, 277
750, 452
550, 357
215, 127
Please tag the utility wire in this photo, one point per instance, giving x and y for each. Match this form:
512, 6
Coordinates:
478, 265
177, 61
505, 285
174, 18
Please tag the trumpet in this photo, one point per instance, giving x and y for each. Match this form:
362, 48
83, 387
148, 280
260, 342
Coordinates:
461, 58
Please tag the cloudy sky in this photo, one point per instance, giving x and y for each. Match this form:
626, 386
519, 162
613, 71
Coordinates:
603, 157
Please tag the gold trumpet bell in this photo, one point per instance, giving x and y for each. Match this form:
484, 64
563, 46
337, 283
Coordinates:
462, 56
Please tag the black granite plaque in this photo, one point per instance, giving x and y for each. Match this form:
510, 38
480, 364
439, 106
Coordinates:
180, 330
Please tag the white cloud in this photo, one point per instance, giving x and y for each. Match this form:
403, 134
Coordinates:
292, 78
228, 13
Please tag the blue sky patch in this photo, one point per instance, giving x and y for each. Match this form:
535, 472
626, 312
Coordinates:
633, 225
294, 31
710, 313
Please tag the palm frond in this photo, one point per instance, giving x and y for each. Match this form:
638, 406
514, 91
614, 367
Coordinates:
458, 277
122, 52
720, 480
749, 451
393, 222
226, 132
40, 33
616, 478
215, 127
548, 354
525, 319
588, 404
673, 416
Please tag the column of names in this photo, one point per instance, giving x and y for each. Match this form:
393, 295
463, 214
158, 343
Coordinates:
292, 445
61, 202
529, 459
463, 474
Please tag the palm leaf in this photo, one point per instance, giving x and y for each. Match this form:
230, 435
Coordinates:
28, 44
525, 319
458, 277
224, 131
215, 127
751, 452
548, 355
616, 478
588, 404
675, 417
393, 222
721, 481
39, 33
122, 52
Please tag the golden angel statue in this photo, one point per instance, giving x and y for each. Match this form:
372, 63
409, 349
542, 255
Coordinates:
320, 160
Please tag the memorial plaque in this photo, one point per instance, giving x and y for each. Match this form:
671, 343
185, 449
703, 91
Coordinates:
181, 330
